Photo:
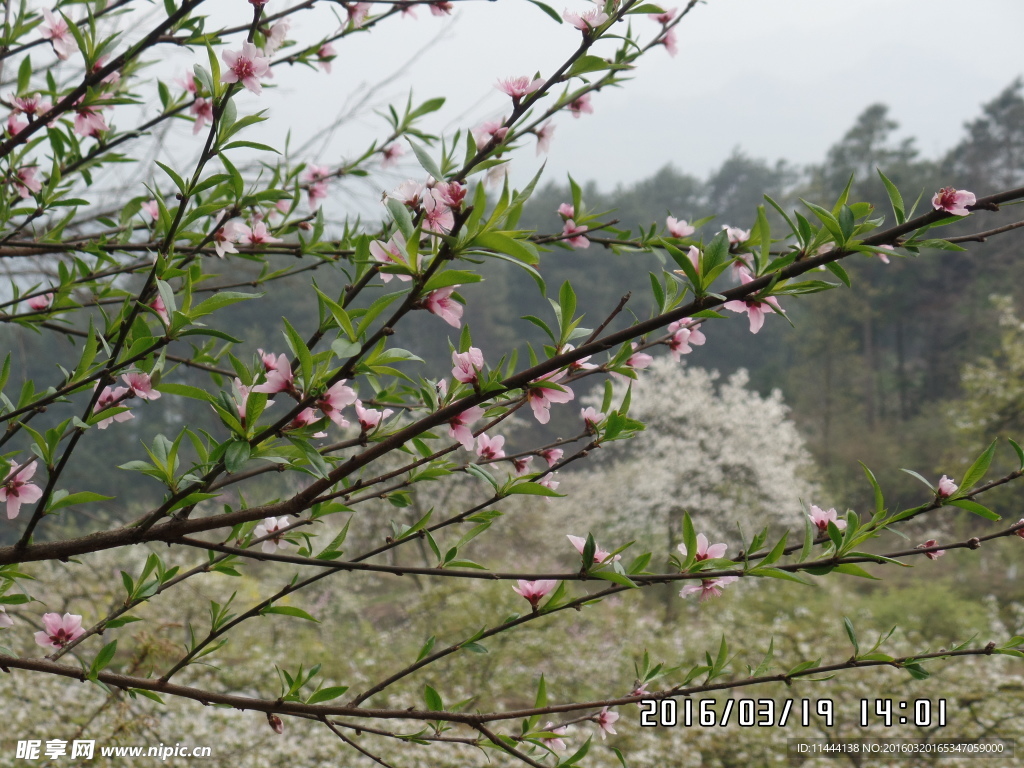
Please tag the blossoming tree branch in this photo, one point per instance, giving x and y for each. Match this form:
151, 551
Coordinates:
140, 286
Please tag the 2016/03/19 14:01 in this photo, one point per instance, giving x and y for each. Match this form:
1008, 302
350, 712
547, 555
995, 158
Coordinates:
767, 713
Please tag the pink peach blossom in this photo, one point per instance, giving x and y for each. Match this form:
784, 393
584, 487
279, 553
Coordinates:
304, 418
605, 720
112, 397
140, 385
549, 482
883, 257
202, 111
931, 555
225, 237
581, 364
468, 365
521, 466
947, 487
708, 588
581, 106
89, 120
257, 235
389, 155
25, 181
664, 17
272, 525
683, 336
357, 14
736, 235
158, 306
541, 397
58, 632
551, 741
152, 207
334, 399
246, 66
954, 201
279, 379
458, 426
437, 217
573, 234
600, 555
316, 193
587, 21
271, 363
679, 227
370, 418
39, 303
756, 310
639, 360
441, 303
391, 252
240, 395
14, 125
450, 193
34, 105
535, 591
544, 134
17, 490
56, 30
275, 722
6, 622
822, 518
705, 552
441, 8
325, 54
409, 192
1020, 531
491, 130
517, 87
276, 37
187, 82
591, 418
490, 448
552, 456
670, 42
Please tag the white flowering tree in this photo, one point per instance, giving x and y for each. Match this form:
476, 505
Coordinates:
143, 279
699, 455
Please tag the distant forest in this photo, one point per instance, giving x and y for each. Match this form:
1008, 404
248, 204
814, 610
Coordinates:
874, 374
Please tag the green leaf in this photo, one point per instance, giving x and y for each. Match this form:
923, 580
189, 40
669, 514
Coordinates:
548, 10
1019, 451
616, 578
326, 694
82, 497
917, 671
287, 610
147, 694
103, 658
836, 269
184, 390
428, 646
425, 160
912, 473
532, 489
895, 198
236, 455
854, 570
432, 699
976, 508
879, 501
851, 634
178, 181
978, 468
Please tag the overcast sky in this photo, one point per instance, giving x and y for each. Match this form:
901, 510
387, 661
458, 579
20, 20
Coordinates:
776, 78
